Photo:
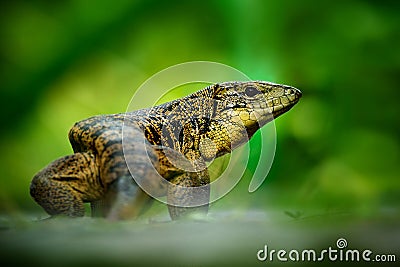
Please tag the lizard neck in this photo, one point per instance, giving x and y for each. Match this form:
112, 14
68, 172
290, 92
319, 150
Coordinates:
193, 123
226, 136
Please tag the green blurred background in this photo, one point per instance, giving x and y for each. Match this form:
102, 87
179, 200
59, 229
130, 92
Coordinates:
337, 150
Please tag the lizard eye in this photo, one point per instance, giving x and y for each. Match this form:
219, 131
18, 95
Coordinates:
251, 91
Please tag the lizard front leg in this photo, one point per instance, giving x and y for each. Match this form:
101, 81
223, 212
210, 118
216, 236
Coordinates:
123, 200
182, 198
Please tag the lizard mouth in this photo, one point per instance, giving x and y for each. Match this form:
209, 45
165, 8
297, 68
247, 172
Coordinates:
285, 102
280, 110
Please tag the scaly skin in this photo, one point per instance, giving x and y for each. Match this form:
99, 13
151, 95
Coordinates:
194, 130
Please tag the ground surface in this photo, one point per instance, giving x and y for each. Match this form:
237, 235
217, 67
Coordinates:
223, 239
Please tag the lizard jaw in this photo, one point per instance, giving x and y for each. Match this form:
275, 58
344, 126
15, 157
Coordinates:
281, 104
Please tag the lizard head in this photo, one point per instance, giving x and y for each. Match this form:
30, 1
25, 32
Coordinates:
254, 103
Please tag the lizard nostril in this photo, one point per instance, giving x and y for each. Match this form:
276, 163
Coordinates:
299, 93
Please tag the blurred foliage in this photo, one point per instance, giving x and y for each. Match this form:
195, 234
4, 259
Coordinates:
337, 150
